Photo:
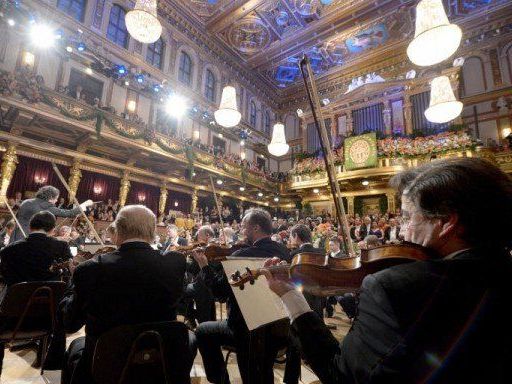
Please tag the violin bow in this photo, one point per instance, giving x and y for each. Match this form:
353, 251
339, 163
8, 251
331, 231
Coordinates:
14, 216
75, 201
218, 207
314, 102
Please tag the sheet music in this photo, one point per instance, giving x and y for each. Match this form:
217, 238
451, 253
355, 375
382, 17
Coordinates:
258, 304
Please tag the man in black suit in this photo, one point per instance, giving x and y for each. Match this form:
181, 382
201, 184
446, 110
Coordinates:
443, 320
30, 259
392, 232
173, 239
134, 284
45, 200
6, 233
255, 350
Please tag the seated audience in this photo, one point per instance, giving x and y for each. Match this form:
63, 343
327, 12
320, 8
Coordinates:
392, 232
6, 233
134, 284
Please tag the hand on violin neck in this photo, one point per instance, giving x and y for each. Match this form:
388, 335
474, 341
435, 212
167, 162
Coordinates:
277, 283
200, 257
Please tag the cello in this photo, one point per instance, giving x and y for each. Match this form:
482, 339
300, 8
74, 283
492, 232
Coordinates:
325, 277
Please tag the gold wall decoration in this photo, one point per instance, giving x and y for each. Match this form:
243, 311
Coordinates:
124, 189
162, 201
8, 167
75, 175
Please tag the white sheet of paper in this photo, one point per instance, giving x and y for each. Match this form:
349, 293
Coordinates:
258, 304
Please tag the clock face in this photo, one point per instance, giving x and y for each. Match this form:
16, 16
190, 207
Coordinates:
360, 152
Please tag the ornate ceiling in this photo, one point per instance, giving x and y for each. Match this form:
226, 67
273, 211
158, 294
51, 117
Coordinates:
270, 36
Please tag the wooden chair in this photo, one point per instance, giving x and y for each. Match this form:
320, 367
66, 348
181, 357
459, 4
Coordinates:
27, 313
143, 353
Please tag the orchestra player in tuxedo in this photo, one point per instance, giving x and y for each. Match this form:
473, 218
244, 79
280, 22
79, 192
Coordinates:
443, 320
45, 200
134, 284
256, 350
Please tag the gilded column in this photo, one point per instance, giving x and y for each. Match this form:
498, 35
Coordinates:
8, 167
386, 114
350, 123
350, 205
391, 202
408, 115
125, 188
75, 175
193, 206
162, 202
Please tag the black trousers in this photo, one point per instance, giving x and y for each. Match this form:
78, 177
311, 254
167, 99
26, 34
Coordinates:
256, 351
202, 296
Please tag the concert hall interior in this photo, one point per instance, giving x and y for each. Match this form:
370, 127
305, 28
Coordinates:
255, 191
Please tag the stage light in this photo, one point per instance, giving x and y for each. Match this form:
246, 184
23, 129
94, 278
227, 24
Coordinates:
276, 199
228, 115
443, 105
88, 71
193, 174
140, 78
176, 203
156, 88
242, 189
260, 194
69, 49
242, 143
11, 22
127, 83
435, 39
316, 190
221, 135
365, 182
278, 146
175, 106
219, 181
121, 69
81, 47
42, 36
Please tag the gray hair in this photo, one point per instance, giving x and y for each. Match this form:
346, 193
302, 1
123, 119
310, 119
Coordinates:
206, 230
47, 193
136, 221
259, 217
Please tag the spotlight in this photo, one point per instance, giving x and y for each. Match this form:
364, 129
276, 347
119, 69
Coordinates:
121, 69
176, 204
156, 88
88, 71
11, 22
140, 78
127, 83
242, 189
221, 135
81, 47
316, 190
42, 36
276, 199
260, 194
193, 174
175, 106
242, 142
219, 181
69, 49
365, 182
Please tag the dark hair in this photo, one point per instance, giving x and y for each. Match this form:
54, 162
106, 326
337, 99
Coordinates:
43, 220
47, 193
261, 218
302, 232
335, 239
10, 224
477, 191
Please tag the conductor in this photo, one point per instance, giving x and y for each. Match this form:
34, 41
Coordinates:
45, 200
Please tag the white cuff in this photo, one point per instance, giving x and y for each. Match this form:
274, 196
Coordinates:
295, 304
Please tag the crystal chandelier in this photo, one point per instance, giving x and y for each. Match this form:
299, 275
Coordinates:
227, 115
278, 146
435, 39
443, 104
142, 22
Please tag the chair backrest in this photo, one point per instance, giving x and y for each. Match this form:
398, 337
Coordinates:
31, 299
143, 353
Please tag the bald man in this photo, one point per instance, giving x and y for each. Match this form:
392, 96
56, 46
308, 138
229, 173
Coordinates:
134, 284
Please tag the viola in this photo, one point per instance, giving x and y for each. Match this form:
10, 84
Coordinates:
327, 276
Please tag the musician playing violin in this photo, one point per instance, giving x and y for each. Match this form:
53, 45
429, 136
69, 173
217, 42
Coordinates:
443, 320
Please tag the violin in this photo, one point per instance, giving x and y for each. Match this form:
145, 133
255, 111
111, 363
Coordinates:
327, 276
213, 252
64, 267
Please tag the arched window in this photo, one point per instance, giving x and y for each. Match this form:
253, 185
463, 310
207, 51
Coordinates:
267, 123
116, 31
185, 70
74, 8
210, 85
252, 114
155, 53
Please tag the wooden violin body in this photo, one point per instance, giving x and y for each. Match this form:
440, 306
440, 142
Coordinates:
213, 252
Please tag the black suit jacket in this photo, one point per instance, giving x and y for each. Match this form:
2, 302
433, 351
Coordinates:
30, 207
218, 282
388, 230
307, 248
134, 284
30, 259
442, 321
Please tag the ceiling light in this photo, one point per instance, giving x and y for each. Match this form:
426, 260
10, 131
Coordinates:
278, 146
176, 203
242, 142
260, 194
88, 71
81, 47
142, 22
175, 106
127, 83
227, 115
219, 181
121, 69
435, 39
443, 105
221, 135
42, 36
69, 49
140, 78
193, 174
11, 22
242, 188
276, 199
316, 190
365, 182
